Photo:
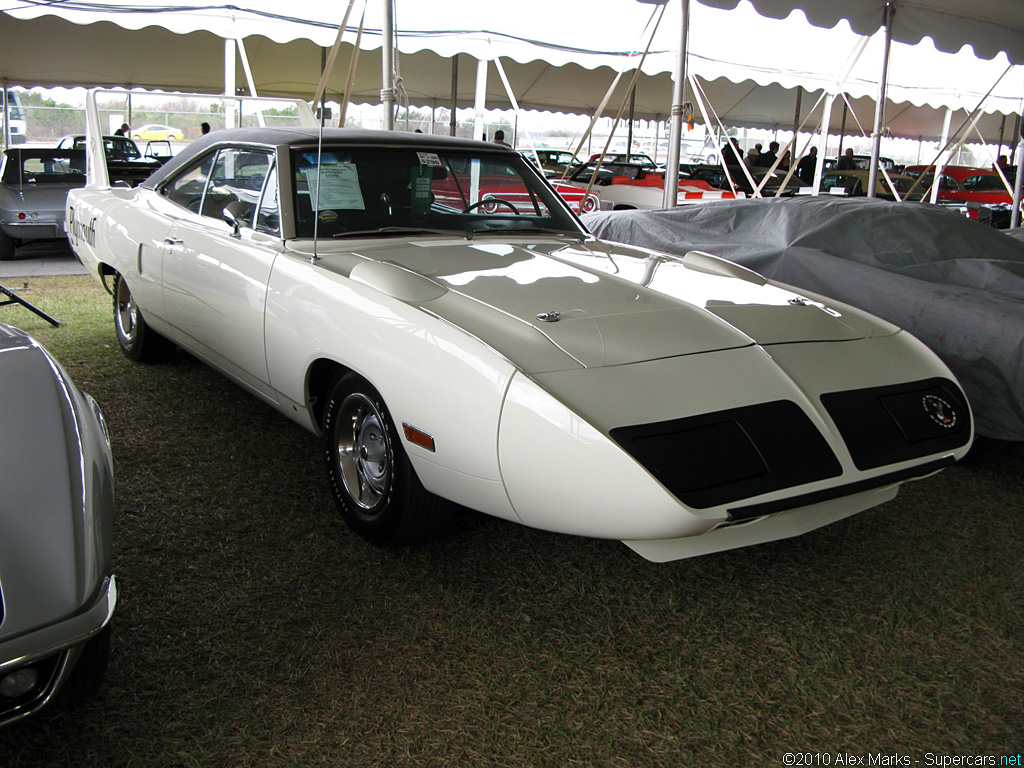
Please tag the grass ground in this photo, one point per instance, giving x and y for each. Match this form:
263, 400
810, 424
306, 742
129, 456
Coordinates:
255, 630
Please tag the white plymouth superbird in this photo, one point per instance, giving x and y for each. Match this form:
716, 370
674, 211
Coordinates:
432, 308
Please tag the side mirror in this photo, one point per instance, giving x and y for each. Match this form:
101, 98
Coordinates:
235, 213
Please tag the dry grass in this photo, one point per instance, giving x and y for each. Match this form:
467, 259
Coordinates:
255, 630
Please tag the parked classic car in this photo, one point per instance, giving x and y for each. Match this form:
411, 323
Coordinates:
34, 185
154, 132
855, 184
125, 162
554, 162
449, 346
628, 186
57, 592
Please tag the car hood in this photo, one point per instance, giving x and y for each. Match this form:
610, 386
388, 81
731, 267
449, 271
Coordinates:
597, 303
46, 535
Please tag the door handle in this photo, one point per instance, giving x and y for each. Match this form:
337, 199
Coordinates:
173, 240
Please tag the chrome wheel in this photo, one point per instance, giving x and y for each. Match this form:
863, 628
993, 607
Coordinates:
136, 339
126, 314
363, 451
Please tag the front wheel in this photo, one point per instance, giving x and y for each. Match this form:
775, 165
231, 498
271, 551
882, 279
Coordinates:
375, 487
137, 340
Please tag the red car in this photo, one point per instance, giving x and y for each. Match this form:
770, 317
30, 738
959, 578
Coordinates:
969, 186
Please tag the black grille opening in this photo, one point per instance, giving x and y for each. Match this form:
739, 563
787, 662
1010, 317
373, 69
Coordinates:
717, 458
886, 425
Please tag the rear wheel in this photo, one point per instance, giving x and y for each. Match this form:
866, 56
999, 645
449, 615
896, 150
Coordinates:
137, 340
375, 487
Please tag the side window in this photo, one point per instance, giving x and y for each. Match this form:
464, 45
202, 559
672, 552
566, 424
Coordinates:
187, 188
238, 175
269, 217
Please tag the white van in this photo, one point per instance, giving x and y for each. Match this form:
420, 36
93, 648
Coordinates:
18, 122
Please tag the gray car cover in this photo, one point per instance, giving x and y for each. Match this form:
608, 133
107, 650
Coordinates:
955, 284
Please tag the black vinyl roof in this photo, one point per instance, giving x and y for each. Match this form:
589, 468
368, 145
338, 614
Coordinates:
302, 136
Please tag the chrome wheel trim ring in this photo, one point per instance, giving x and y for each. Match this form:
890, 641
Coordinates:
127, 313
363, 452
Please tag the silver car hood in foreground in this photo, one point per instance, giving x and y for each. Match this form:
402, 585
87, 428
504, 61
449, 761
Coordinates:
596, 303
54, 515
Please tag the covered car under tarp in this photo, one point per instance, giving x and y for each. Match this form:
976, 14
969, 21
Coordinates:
956, 285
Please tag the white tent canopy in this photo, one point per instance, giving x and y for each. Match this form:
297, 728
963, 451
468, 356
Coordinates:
989, 26
750, 66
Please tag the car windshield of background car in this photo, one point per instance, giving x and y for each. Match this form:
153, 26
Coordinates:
394, 190
984, 183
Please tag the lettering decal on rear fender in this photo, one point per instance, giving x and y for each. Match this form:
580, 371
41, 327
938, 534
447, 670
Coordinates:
80, 231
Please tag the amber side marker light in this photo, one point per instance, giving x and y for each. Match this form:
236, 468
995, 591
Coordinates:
418, 437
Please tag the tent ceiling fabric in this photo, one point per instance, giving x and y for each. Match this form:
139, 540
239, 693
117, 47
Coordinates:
749, 85
989, 26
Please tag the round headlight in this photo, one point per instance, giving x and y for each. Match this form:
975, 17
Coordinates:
18, 683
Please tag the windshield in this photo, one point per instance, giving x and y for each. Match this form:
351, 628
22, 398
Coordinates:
391, 190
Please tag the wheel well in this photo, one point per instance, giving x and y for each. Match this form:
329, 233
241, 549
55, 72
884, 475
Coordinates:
107, 271
321, 374
622, 207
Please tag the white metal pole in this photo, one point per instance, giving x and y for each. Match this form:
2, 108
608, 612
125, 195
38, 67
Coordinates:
387, 92
230, 105
937, 174
826, 122
883, 82
1015, 214
481, 99
675, 136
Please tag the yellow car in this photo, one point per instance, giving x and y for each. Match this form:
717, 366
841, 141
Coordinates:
154, 132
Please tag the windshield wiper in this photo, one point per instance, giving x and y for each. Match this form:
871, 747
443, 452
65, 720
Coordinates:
393, 231
545, 230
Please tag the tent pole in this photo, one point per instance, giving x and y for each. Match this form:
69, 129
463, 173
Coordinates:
796, 112
453, 121
675, 136
883, 82
481, 99
230, 106
629, 132
937, 173
387, 92
7, 116
842, 132
1015, 214
1016, 132
826, 121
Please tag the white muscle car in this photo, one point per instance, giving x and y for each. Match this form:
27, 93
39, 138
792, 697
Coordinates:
453, 344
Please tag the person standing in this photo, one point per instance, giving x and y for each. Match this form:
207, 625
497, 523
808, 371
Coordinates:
123, 130
499, 138
767, 159
807, 165
846, 162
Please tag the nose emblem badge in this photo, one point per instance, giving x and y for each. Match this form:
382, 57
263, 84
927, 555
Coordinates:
549, 317
939, 411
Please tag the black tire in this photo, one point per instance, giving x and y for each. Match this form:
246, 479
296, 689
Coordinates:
89, 671
375, 487
6, 247
137, 340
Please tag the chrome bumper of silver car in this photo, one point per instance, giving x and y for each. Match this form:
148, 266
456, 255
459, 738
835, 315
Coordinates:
64, 638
